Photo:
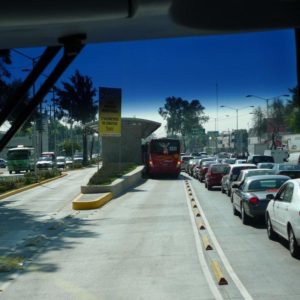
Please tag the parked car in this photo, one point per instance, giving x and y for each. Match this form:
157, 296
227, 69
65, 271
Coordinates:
250, 198
265, 165
255, 159
282, 215
45, 163
214, 175
61, 162
248, 173
292, 171
232, 175
3, 163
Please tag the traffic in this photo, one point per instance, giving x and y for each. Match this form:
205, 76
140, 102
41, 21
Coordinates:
259, 190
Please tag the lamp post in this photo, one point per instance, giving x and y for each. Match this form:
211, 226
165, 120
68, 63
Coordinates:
267, 100
237, 109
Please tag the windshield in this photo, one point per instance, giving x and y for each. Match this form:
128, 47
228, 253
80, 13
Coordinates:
165, 147
266, 184
288, 167
18, 154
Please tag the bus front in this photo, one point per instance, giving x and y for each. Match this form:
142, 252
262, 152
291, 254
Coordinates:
164, 157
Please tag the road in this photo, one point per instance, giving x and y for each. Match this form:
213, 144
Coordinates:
142, 245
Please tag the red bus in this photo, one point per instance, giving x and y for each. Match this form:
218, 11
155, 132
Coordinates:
163, 157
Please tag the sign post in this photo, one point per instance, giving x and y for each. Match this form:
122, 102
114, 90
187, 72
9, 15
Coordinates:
110, 112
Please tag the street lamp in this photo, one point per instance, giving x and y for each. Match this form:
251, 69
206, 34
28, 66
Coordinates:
267, 100
237, 109
237, 112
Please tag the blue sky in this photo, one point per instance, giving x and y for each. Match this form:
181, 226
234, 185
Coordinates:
262, 64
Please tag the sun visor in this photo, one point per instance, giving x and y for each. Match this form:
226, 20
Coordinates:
28, 13
236, 15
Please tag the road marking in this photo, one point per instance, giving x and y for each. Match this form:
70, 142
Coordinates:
205, 268
218, 273
206, 243
222, 255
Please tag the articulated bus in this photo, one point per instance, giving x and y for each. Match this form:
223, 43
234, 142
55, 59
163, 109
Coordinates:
20, 159
163, 157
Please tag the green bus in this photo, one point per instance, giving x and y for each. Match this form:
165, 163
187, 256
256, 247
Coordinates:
20, 159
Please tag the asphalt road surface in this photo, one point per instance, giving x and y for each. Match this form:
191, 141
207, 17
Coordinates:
142, 245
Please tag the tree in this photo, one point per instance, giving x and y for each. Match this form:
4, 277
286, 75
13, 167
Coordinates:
259, 123
183, 118
292, 118
76, 103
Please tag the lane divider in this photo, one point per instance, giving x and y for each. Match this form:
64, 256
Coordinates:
218, 273
206, 243
196, 212
214, 264
199, 224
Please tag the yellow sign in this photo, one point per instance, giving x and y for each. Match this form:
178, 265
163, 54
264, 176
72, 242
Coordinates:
110, 112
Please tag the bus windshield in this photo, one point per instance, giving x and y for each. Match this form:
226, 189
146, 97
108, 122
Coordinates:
18, 154
165, 147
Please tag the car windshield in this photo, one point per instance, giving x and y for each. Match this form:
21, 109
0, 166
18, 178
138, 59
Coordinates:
287, 167
265, 184
45, 158
218, 169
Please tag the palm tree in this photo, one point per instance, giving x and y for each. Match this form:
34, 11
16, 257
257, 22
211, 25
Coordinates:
76, 103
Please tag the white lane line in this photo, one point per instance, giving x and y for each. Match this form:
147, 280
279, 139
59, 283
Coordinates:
221, 253
211, 283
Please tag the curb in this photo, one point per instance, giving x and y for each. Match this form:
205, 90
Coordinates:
28, 187
78, 204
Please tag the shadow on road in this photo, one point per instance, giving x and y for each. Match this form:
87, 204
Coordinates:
26, 236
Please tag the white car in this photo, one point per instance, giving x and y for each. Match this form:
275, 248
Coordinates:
282, 215
61, 162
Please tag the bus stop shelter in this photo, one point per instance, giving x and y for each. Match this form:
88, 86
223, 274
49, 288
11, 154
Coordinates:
128, 147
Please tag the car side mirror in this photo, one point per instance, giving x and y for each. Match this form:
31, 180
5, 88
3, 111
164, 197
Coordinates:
235, 184
270, 197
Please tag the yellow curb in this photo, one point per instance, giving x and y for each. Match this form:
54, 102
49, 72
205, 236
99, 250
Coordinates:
206, 243
28, 187
199, 224
218, 273
77, 204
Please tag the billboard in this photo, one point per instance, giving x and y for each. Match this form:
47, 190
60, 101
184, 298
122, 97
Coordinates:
110, 111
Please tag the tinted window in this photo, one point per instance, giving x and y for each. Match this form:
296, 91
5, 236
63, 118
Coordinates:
266, 184
219, 169
165, 147
258, 159
18, 154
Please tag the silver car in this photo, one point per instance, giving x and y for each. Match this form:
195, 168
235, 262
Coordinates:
282, 215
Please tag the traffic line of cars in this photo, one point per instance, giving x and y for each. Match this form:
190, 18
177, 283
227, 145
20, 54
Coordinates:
257, 191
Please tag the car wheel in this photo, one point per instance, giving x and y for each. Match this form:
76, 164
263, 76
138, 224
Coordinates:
222, 189
271, 233
294, 248
234, 210
208, 187
245, 217
228, 193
